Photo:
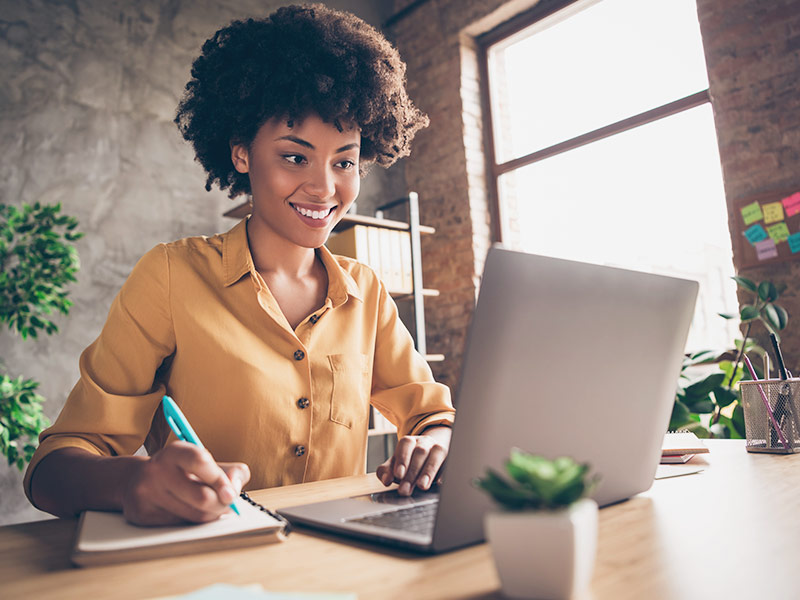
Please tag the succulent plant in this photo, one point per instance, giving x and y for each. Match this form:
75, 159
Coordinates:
538, 483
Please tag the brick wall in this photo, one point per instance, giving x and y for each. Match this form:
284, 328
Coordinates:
753, 55
447, 163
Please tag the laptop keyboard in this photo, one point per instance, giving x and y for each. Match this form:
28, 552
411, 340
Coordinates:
415, 519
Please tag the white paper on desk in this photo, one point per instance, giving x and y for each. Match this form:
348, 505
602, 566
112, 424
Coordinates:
225, 591
667, 471
107, 531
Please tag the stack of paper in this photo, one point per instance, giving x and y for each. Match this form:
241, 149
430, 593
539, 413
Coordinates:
681, 447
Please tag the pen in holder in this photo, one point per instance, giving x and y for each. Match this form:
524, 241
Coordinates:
771, 415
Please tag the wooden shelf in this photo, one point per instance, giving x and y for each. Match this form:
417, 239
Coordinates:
238, 212
242, 210
406, 295
349, 220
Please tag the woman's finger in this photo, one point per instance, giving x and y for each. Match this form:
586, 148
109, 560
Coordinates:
418, 458
431, 468
402, 456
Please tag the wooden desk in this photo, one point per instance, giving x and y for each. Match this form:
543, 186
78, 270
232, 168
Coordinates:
730, 532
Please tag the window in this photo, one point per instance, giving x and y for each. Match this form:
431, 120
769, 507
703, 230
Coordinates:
604, 149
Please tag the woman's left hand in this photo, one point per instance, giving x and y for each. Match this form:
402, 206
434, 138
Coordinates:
417, 460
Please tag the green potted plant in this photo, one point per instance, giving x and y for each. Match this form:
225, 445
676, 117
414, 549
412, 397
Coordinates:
544, 534
37, 261
711, 406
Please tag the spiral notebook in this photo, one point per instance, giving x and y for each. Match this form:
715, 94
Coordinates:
104, 538
680, 447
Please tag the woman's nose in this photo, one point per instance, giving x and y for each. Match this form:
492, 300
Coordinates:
321, 183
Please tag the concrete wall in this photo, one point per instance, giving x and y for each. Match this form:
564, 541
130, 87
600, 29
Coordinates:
89, 90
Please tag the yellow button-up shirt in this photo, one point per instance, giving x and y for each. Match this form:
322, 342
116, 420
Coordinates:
196, 321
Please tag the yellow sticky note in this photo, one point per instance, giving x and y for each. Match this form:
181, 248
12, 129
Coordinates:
778, 232
773, 212
752, 213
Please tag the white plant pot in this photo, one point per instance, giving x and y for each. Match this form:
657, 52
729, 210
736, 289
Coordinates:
546, 555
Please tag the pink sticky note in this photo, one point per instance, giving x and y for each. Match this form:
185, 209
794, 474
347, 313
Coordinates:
766, 249
791, 204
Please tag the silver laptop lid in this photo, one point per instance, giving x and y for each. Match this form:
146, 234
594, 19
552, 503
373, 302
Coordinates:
564, 358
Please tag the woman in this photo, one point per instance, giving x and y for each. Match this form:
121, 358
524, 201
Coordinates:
272, 347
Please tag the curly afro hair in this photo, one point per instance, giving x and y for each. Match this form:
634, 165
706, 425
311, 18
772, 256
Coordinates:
300, 60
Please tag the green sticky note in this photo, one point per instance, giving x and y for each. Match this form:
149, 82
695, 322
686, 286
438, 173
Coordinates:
778, 232
752, 213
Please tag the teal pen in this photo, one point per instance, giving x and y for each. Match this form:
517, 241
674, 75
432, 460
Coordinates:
178, 423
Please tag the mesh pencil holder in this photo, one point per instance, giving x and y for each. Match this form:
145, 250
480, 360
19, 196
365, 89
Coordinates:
772, 415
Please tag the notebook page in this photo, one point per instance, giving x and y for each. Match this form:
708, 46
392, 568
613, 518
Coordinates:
105, 531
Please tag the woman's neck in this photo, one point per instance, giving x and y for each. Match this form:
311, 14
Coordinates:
273, 254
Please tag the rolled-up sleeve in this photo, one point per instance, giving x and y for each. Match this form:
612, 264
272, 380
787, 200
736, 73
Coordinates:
110, 410
403, 387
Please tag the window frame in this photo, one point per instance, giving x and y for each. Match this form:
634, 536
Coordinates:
484, 42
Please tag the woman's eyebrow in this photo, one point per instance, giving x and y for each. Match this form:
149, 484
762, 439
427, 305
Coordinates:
348, 147
296, 140
309, 145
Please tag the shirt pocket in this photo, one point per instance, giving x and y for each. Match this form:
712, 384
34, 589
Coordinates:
349, 396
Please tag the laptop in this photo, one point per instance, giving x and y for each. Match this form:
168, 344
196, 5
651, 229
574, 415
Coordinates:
563, 358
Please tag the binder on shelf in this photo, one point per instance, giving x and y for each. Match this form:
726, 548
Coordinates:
406, 275
386, 251
386, 267
351, 242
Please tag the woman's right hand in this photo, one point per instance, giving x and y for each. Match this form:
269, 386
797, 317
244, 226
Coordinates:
179, 483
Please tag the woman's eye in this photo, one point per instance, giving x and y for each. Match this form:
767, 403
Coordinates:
346, 164
295, 159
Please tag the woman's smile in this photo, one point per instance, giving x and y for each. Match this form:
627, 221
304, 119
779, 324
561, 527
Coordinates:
314, 215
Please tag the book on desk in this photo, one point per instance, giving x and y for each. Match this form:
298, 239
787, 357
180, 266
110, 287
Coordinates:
105, 538
680, 447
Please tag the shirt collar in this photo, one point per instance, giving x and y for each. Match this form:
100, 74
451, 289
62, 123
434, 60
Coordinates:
237, 262
236, 258
340, 283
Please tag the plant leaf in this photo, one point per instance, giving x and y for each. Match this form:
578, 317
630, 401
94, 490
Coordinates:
681, 416
748, 312
724, 396
738, 421
704, 387
783, 316
771, 317
745, 283
767, 291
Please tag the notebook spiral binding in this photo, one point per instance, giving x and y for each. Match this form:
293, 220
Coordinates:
287, 527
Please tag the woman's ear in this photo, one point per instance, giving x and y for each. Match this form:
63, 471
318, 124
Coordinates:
240, 157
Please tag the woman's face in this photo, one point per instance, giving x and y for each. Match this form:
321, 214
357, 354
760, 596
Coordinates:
303, 177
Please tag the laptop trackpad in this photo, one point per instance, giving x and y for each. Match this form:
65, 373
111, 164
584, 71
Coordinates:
332, 511
380, 500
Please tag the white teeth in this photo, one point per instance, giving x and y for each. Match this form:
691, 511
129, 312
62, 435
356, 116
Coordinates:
314, 214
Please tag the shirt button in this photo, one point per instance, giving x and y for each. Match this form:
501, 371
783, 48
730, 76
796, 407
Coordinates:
303, 403
299, 450
314, 319
299, 355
